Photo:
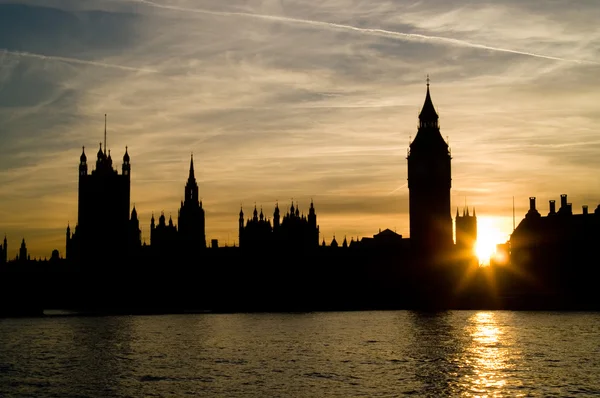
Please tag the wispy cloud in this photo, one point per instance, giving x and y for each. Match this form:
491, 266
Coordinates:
369, 31
282, 100
76, 61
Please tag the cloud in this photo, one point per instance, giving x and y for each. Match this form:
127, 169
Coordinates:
277, 103
76, 61
369, 31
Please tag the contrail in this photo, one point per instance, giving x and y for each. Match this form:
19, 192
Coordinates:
375, 32
75, 61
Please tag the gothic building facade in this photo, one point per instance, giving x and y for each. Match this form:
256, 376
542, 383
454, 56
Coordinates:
104, 232
191, 219
189, 236
466, 231
294, 230
23, 256
429, 184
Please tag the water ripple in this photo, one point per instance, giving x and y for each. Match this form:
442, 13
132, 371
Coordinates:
467, 354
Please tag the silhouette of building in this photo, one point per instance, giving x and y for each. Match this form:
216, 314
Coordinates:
556, 251
383, 240
334, 242
55, 255
188, 237
163, 236
191, 221
293, 231
466, 231
429, 184
102, 233
23, 252
4, 252
135, 233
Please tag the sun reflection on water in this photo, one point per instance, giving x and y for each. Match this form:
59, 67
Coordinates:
491, 356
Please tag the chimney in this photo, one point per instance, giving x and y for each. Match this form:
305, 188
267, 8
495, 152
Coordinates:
532, 203
585, 209
569, 208
552, 207
563, 201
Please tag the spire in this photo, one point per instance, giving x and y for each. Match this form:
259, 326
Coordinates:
83, 158
474, 215
126, 156
428, 115
105, 133
457, 212
192, 177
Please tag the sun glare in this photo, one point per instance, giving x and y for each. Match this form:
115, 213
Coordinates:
488, 236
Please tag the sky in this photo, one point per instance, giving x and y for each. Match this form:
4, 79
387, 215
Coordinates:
282, 99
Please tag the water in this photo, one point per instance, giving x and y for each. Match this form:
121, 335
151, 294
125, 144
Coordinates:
367, 354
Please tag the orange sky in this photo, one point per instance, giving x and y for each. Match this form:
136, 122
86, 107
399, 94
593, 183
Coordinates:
280, 100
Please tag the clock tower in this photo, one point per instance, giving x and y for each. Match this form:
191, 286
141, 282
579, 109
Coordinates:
429, 183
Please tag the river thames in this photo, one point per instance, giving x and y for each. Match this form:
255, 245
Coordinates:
368, 354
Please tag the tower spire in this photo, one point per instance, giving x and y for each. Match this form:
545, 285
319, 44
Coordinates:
192, 167
428, 115
105, 133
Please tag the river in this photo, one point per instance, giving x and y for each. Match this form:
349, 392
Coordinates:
343, 354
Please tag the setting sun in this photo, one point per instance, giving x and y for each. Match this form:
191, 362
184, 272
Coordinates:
488, 236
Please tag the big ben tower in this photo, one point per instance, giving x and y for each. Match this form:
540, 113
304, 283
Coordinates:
429, 183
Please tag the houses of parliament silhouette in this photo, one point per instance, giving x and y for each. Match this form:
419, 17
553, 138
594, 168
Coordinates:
281, 265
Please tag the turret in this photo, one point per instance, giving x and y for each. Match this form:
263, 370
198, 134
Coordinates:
23, 251
241, 227
5, 250
334, 242
100, 158
83, 169
276, 219
126, 168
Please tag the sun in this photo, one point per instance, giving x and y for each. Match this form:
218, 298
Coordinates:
488, 236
